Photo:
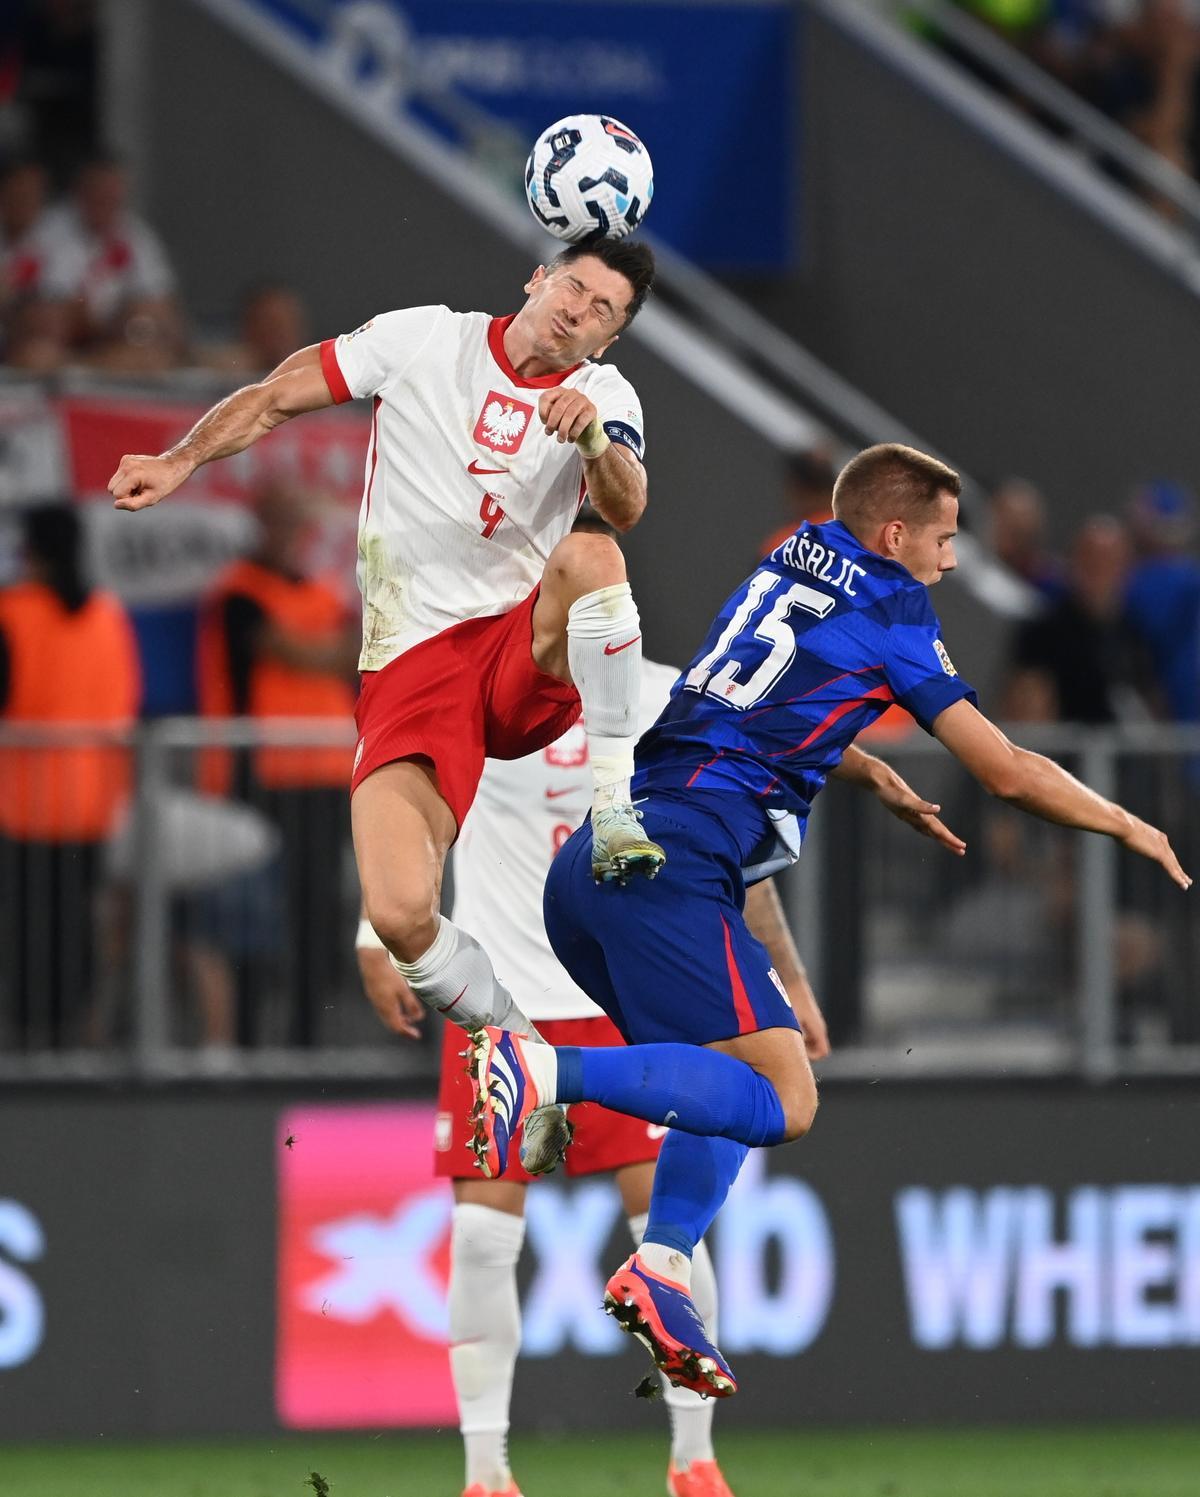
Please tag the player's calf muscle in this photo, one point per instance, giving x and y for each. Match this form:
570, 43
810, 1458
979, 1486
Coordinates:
778, 1055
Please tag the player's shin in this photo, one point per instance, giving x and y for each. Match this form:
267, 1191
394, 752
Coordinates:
604, 651
691, 1180
454, 977
485, 1334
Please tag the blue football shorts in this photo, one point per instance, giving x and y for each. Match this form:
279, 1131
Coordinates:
668, 959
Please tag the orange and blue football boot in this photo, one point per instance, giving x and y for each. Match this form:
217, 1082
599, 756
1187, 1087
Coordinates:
505, 1096
660, 1313
696, 1479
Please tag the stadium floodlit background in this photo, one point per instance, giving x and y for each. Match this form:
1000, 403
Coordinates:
974, 227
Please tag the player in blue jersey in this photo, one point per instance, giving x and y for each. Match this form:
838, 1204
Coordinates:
833, 627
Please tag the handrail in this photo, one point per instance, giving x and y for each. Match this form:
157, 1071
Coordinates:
1063, 167
1085, 1044
1083, 120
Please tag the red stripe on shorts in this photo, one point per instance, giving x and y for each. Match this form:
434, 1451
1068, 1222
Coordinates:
747, 1023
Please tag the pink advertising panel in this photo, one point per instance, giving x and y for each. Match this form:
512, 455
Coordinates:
364, 1244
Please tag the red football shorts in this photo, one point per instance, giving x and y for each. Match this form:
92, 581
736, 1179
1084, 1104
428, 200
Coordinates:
604, 1140
471, 692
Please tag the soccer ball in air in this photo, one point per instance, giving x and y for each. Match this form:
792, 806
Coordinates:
589, 177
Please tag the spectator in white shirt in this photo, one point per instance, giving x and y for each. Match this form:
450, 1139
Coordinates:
112, 271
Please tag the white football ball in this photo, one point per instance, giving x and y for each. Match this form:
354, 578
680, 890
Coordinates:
589, 177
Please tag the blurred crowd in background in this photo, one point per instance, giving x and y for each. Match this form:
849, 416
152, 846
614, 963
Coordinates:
1136, 61
1114, 636
85, 281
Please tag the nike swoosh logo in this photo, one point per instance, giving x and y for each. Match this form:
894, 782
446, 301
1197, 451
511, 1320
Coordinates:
473, 467
611, 649
555, 794
449, 1006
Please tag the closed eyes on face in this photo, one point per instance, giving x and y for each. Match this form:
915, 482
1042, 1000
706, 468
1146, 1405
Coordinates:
603, 309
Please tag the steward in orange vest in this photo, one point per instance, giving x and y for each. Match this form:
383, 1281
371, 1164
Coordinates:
67, 656
275, 644
68, 662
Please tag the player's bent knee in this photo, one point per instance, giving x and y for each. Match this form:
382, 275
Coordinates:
406, 923
581, 563
799, 1112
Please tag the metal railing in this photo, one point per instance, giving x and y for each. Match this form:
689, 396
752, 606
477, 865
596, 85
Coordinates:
209, 938
1068, 157
1074, 119
1043, 951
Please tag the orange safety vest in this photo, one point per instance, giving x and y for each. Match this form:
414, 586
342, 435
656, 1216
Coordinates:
308, 609
76, 668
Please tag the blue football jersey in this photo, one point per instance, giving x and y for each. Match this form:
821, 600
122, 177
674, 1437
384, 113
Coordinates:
810, 650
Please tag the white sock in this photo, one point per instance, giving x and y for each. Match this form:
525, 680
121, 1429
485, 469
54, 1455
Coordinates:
455, 978
604, 651
541, 1060
691, 1415
667, 1262
485, 1334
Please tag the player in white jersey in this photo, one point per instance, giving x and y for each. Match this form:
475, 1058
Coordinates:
485, 621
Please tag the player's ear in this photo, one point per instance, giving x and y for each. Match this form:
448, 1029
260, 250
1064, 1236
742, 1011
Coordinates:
604, 347
536, 279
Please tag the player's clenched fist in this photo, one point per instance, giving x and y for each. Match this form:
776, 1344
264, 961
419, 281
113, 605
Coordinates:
141, 480
565, 413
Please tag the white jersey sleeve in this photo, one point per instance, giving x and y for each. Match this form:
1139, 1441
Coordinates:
618, 408
372, 356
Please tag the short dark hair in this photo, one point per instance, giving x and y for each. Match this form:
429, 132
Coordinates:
628, 257
890, 482
53, 538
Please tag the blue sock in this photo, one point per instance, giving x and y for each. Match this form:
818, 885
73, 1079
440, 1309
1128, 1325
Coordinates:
691, 1180
681, 1086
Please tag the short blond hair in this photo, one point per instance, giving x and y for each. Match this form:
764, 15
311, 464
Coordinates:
890, 482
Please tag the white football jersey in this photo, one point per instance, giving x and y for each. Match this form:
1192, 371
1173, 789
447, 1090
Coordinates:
523, 813
465, 496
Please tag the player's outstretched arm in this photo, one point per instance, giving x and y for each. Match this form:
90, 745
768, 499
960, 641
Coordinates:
615, 477
767, 923
231, 426
898, 796
1036, 784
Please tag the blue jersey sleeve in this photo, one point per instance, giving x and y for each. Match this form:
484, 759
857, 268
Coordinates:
918, 669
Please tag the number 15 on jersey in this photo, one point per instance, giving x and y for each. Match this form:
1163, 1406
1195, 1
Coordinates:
728, 670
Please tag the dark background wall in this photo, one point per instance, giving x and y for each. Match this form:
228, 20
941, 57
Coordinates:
973, 300
929, 1255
